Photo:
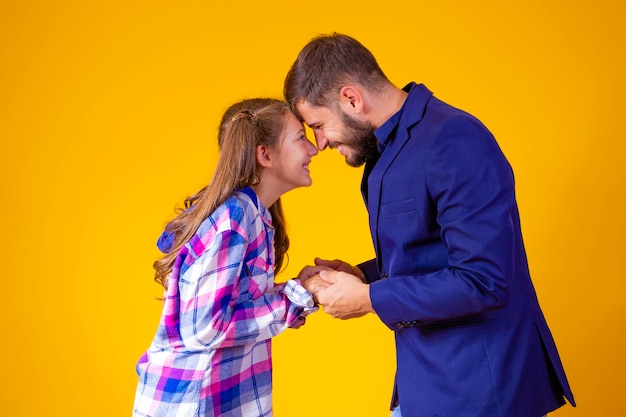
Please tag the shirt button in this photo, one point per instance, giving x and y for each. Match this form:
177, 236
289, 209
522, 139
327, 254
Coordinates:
384, 275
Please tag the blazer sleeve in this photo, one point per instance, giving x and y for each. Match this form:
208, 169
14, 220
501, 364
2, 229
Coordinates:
471, 186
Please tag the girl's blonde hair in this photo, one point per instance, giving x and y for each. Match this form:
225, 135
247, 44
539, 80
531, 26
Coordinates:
244, 126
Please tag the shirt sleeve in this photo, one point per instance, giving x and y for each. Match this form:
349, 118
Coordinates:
370, 270
214, 313
296, 293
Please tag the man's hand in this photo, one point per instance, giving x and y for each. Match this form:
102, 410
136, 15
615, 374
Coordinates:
347, 296
309, 271
339, 265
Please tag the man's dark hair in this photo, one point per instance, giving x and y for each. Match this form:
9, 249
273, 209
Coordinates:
325, 65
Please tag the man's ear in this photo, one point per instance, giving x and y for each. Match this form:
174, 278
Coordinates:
351, 99
263, 156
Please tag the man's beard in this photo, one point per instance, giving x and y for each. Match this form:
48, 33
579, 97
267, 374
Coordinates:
359, 137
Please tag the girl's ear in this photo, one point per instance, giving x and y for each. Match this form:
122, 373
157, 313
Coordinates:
263, 156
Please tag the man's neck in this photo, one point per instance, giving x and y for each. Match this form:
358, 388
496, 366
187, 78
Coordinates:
386, 104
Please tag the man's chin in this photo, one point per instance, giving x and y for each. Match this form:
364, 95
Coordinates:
350, 158
354, 162
356, 156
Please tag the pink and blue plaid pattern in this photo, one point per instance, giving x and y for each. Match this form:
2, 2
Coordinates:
211, 355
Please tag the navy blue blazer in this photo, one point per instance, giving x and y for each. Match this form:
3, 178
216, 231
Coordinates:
450, 275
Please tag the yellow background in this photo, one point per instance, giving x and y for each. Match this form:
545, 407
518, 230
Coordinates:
108, 116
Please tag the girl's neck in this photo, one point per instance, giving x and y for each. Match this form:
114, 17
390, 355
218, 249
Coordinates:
265, 194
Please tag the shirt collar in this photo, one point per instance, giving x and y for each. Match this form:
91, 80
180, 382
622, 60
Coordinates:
265, 214
386, 130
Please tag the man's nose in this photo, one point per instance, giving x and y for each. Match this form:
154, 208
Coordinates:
321, 140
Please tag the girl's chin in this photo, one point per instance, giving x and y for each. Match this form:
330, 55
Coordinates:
308, 182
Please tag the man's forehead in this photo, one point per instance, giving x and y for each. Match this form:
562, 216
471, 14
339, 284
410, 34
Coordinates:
309, 113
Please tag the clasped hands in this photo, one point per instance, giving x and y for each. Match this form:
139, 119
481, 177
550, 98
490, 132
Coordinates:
339, 287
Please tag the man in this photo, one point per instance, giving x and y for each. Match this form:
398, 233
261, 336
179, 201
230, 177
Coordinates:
450, 276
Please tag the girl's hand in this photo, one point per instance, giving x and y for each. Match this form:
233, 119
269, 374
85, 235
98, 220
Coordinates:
314, 284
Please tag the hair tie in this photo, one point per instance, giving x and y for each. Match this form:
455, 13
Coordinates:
243, 113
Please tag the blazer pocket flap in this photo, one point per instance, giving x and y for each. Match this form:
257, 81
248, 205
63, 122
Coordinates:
397, 207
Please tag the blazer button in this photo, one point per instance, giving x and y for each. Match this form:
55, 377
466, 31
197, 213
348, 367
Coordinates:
384, 275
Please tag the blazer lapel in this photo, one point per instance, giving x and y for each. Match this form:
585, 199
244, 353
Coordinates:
372, 184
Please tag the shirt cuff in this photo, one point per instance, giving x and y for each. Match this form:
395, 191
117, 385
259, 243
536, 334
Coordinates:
296, 293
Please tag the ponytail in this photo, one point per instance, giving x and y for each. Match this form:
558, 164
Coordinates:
244, 126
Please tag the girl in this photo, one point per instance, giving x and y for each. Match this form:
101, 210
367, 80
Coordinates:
211, 355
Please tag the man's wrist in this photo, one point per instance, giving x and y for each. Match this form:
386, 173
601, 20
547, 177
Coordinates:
367, 301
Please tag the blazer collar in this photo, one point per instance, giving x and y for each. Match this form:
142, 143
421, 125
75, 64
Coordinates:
411, 113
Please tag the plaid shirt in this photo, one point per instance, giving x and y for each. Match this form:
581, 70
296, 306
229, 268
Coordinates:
211, 355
